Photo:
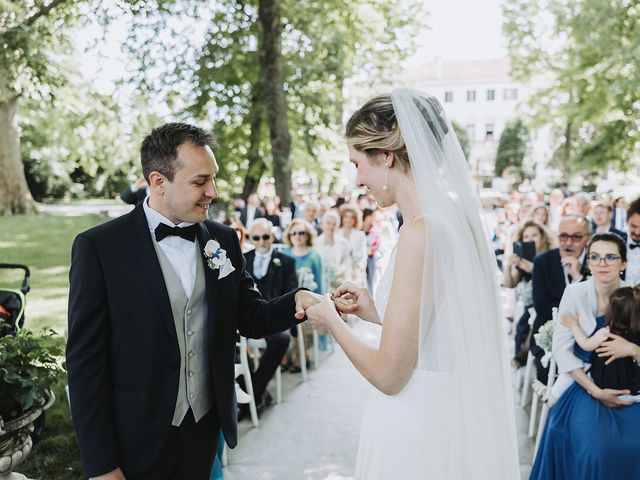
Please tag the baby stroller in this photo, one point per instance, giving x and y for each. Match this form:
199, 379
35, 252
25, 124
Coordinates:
13, 302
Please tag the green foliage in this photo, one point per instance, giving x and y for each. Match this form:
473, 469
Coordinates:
29, 367
586, 52
216, 79
76, 145
463, 138
512, 147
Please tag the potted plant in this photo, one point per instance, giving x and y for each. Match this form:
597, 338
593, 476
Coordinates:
29, 367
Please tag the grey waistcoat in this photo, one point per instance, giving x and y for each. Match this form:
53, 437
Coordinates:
195, 389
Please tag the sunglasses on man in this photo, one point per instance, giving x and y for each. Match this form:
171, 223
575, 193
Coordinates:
257, 238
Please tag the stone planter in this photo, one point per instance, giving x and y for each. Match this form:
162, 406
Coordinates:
15, 439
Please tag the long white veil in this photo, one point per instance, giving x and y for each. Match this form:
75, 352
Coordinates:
460, 328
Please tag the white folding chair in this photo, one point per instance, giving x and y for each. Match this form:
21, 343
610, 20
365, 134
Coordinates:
260, 343
302, 353
536, 396
243, 369
526, 380
545, 407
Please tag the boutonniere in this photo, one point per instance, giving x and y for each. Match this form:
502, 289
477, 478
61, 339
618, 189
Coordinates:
277, 262
217, 258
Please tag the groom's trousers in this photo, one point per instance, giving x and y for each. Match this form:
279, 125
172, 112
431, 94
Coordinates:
189, 451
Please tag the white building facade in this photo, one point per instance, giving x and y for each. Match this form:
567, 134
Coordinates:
481, 96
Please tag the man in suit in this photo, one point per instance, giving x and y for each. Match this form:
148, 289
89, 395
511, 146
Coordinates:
251, 211
275, 274
156, 297
136, 193
602, 213
553, 270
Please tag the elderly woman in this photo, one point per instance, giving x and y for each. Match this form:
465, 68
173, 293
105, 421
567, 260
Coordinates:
333, 250
350, 219
591, 433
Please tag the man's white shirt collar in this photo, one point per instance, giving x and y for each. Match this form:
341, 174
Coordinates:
155, 218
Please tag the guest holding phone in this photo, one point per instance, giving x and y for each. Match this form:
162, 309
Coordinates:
531, 239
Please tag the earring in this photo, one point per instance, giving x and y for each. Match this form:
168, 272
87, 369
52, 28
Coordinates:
386, 178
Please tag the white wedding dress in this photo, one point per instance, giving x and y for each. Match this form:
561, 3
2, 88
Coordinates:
410, 435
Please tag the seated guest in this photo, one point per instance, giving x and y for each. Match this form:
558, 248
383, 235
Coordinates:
602, 213
310, 214
591, 432
588, 300
251, 210
540, 214
300, 235
553, 271
135, 193
621, 320
517, 274
619, 216
334, 252
274, 274
350, 220
633, 243
372, 231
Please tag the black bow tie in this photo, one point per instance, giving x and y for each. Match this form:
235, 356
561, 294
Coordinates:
188, 233
634, 245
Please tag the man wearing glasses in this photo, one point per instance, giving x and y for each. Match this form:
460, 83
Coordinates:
553, 270
274, 274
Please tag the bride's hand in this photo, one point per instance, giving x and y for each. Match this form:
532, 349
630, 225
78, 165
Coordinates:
322, 315
350, 298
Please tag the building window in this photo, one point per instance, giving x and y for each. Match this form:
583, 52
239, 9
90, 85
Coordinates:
471, 132
471, 95
488, 135
491, 95
510, 93
448, 96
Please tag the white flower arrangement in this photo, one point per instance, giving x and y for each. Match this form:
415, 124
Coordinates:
544, 339
306, 279
277, 262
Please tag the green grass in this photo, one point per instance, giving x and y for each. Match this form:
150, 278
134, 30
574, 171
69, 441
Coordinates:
43, 243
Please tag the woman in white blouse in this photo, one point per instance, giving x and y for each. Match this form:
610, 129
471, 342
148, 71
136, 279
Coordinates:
334, 251
350, 218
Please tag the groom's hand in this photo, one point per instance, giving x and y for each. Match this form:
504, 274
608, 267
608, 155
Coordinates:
112, 475
305, 299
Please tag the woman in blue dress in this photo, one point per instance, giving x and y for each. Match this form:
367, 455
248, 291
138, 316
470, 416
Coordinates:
299, 236
591, 433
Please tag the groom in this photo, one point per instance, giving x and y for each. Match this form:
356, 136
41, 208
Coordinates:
155, 299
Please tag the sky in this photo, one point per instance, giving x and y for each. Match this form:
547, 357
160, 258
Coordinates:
461, 30
457, 30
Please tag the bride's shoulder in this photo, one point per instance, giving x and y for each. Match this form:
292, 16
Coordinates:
413, 236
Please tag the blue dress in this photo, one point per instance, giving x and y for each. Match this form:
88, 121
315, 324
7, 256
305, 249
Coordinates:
583, 439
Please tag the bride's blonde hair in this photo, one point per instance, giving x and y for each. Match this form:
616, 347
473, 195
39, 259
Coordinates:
374, 128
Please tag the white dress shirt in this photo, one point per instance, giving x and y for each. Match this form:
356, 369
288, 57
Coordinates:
632, 276
261, 263
180, 252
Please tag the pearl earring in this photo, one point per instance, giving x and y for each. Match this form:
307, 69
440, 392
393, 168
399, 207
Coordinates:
386, 178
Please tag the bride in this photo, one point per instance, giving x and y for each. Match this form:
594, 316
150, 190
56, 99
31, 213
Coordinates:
443, 407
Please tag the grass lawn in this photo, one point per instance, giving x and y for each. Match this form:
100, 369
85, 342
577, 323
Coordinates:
43, 243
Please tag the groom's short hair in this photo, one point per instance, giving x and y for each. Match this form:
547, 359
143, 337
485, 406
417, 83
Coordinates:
159, 150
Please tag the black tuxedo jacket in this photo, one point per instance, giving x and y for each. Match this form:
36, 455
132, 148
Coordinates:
279, 278
123, 358
548, 287
244, 211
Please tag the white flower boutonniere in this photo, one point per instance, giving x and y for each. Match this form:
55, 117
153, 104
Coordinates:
277, 262
217, 258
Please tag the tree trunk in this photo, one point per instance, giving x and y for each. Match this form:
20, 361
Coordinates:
14, 192
273, 94
257, 167
566, 150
